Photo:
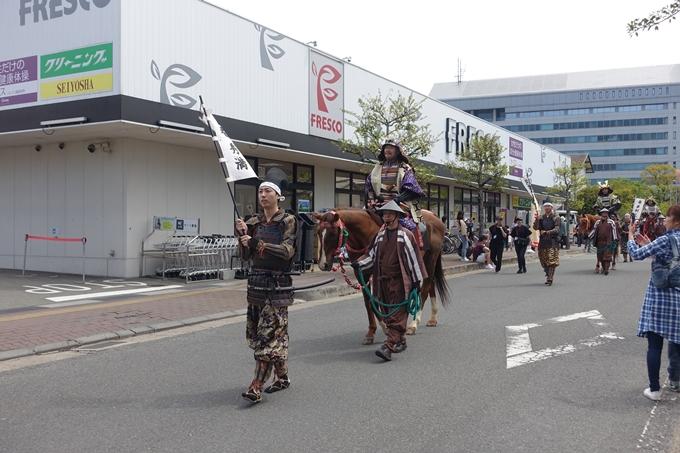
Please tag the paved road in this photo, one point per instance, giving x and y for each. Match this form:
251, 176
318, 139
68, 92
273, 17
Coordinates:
575, 386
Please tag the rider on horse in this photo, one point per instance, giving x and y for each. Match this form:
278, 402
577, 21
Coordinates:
605, 199
650, 209
393, 178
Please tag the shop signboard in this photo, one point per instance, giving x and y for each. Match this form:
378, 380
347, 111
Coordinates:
326, 96
19, 81
521, 202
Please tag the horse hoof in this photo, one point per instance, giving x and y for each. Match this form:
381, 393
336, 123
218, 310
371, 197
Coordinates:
367, 341
410, 331
431, 324
597, 271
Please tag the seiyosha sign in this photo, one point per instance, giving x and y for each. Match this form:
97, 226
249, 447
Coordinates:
94, 63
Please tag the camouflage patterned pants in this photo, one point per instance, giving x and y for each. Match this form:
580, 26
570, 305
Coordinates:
267, 335
549, 257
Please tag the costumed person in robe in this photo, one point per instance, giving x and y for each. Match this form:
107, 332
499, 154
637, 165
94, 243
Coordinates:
269, 239
606, 199
625, 225
398, 268
548, 227
393, 178
605, 237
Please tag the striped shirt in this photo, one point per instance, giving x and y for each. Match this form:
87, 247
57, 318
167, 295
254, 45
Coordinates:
660, 307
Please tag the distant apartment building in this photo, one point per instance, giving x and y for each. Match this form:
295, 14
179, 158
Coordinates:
625, 119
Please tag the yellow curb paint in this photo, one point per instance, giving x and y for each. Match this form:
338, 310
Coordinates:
97, 306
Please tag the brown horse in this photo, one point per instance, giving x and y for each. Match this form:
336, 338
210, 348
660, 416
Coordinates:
652, 228
586, 222
361, 226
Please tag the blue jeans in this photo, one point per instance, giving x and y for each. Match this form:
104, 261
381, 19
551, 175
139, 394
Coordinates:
654, 349
464, 245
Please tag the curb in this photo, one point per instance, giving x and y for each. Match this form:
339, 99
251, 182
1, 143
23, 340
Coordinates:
302, 296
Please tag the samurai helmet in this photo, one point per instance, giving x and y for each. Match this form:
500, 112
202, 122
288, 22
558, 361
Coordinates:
603, 210
650, 199
277, 180
393, 141
604, 186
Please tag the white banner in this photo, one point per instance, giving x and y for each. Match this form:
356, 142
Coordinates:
637, 207
236, 166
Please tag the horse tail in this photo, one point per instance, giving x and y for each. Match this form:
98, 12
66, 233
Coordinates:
440, 282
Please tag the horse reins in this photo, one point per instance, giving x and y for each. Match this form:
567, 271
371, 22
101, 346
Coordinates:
342, 242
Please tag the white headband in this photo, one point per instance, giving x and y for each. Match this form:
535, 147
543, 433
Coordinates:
275, 187
548, 204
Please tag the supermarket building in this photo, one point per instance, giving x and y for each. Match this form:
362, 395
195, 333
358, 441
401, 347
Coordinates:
99, 128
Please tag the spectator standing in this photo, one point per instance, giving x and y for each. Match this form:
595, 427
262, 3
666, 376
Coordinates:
463, 235
497, 234
521, 237
660, 315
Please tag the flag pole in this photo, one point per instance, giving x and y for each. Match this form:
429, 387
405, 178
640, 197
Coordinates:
219, 156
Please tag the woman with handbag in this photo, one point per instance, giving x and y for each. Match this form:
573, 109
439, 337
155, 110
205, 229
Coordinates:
521, 238
660, 316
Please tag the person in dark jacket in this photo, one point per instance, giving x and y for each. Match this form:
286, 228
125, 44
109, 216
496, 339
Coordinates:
497, 235
521, 237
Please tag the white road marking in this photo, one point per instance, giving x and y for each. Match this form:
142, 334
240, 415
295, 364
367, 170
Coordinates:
520, 352
110, 294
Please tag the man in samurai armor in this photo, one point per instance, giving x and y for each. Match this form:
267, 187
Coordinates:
625, 225
269, 239
548, 227
650, 209
398, 268
604, 236
606, 199
393, 178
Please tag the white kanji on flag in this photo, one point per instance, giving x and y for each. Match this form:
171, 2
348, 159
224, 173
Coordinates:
237, 166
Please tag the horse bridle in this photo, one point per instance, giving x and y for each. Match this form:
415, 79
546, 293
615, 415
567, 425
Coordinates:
342, 233
342, 237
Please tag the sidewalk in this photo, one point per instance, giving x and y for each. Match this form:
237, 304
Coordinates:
36, 331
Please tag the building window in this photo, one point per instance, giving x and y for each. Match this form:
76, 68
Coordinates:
587, 96
606, 94
486, 115
674, 150
632, 93
349, 189
613, 94
674, 134
626, 93
594, 96
620, 93
674, 120
640, 92
646, 91
660, 91
653, 91
466, 200
600, 96
581, 96
500, 114
667, 91
301, 186
437, 201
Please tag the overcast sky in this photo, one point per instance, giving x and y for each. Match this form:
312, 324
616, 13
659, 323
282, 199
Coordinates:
417, 43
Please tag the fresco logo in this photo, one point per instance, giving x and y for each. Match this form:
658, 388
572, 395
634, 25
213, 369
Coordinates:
323, 94
56, 9
269, 50
183, 77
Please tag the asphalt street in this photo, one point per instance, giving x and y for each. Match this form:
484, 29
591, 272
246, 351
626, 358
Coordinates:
513, 365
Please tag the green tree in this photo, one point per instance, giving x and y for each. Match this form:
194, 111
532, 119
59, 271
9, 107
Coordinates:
585, 200
660, 178
628, 191
480, 166
397, 116
667, 13
569, 181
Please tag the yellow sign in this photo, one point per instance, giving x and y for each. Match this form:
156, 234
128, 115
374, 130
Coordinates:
77, 86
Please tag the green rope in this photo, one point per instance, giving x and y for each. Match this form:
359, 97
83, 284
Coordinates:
611, 246
413, 302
